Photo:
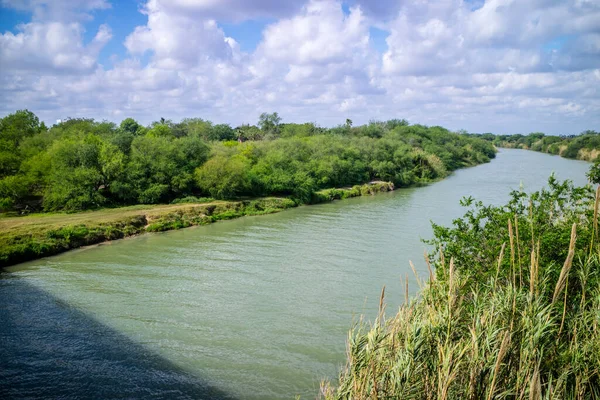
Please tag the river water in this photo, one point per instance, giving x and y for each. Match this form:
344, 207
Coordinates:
254, 308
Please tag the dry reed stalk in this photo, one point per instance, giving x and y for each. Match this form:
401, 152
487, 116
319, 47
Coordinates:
431, 275
382, 303
501, 353
375, 396
474, 352
514, 309
512, 251
596, 205
451, 296
451, 273
562, 321
537, 259
445, 376
595, 221
531, 222
518, 249
406, 290
500, 259
442, 258
414, 270
567, 265
535, 388
532, 273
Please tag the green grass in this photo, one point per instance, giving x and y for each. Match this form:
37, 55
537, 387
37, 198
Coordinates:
519, 322
39, 235
34, 236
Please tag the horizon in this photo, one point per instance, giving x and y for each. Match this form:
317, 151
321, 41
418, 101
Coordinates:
505, 67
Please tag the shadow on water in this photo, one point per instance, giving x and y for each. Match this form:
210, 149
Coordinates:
48, 349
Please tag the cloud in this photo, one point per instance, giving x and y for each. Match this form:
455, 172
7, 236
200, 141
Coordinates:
503, 66
320, 56
51, 47
500, 36
178, 40
380, 10
234, 10
321, 34
57, 10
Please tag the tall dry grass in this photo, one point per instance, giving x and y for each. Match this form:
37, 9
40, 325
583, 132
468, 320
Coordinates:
509, 335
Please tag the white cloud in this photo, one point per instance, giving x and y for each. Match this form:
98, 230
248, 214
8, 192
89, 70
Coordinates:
51, 47
502, 66
58, 10
178, 40
320, 56
321, 34
233, 10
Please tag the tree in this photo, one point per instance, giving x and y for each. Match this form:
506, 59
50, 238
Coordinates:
225, 178
13, 129
269, 123
594, 173
16, 126
130, 125
160, 130
248, 132
223, 132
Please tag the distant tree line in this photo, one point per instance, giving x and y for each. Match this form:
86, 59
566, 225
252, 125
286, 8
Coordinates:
580, 146
81, 164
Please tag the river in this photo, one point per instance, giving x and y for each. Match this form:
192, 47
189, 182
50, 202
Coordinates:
254, 308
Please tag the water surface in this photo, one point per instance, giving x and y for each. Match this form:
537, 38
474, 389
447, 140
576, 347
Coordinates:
254, 308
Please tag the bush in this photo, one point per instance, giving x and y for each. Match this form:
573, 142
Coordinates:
505, 315
193, 199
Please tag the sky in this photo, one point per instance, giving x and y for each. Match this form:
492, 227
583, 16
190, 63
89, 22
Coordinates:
501, 66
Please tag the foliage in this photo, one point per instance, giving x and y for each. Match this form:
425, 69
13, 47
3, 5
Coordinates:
269, 123
585, 146
510, 312
225, 178
82, 164
594, 173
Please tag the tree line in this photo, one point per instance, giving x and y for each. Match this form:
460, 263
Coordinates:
580, 146
81, 164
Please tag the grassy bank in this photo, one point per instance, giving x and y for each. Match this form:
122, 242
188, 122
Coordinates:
511, 311
34, 236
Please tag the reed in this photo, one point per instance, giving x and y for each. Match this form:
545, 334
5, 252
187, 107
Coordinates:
474, 335
512, 251
564, 273
518, 249
596, 205
501, 353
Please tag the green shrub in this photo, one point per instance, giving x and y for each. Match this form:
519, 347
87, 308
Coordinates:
193, 199
504, 315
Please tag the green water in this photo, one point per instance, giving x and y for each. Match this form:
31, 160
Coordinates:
260, 307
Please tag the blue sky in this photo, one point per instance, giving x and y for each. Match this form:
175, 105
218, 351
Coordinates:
505, 66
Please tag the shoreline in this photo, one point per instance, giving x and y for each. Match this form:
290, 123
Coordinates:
32, 237
585, 156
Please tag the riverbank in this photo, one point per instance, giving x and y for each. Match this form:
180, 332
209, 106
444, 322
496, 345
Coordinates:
584, 147
583, 154
40, 235
521, 317
281, 291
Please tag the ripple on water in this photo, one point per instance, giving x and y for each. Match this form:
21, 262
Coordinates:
257, 307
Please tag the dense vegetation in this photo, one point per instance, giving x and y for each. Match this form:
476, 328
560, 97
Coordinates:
512, 310
82, 164
585, 146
